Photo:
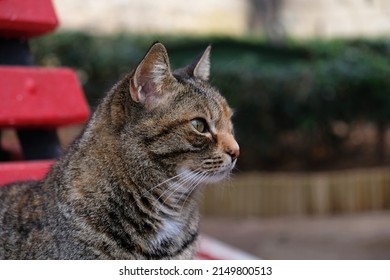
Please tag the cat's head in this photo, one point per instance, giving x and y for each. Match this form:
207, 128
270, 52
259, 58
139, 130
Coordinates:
183, 123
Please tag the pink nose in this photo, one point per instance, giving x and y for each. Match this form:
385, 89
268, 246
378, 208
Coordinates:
233, 151
229, 145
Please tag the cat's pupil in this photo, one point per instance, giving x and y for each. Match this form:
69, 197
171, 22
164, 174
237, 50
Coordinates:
200, 125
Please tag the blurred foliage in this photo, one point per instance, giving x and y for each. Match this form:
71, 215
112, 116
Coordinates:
287, 98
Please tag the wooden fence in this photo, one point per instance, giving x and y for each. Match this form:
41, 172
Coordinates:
273, 194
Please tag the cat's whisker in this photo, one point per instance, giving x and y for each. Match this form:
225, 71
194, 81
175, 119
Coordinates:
188, 177
203, 176
197, 180
181, 179
149, 191
194, 182
160, 184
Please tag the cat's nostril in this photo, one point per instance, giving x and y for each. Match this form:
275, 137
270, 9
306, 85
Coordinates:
233, 153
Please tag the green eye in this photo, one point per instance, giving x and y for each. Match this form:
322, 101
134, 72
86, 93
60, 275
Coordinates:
200, 125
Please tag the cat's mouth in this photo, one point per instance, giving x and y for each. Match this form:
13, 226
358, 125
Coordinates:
221, 173
200, 176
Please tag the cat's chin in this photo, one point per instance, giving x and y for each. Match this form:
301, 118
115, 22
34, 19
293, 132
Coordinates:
217, 177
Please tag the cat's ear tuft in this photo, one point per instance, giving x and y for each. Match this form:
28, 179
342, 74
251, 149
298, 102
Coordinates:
151, 74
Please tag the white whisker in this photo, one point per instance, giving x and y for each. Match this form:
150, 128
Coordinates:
162, 183
188, 177
195, 184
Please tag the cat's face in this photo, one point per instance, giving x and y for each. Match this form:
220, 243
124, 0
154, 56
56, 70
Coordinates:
210, 132
186, 126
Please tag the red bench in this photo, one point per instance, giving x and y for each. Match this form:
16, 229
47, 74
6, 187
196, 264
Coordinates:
33, 100
26, 18
23, 170
38, 97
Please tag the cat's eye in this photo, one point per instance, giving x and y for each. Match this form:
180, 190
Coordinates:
200, 125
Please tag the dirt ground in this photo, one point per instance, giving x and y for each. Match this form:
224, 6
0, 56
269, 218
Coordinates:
357, 236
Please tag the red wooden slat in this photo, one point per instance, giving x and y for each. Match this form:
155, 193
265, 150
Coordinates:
23, 170
26, 18
40, 97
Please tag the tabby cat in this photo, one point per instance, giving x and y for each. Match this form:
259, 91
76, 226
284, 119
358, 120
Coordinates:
127, 188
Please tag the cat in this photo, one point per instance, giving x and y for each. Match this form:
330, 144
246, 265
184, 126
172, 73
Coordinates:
128, 187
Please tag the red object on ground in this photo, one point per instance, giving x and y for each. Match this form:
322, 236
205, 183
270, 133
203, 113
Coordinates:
40, 97
23, 170
26, 18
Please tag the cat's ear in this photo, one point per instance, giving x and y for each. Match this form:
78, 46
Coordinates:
200, 67
150, 76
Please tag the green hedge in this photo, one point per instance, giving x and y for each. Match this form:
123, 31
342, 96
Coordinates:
296, 91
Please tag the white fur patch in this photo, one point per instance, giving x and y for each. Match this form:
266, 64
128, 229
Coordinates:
170, 228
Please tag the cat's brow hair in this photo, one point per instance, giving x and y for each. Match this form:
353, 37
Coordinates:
216, 108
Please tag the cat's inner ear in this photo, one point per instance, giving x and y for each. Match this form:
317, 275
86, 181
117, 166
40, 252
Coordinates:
150, 76
200, 67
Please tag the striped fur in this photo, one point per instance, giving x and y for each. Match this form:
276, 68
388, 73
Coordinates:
128, 187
